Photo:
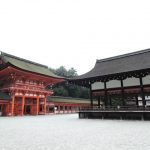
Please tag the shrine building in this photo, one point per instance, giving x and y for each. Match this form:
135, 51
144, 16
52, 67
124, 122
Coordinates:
24, 87
125, 78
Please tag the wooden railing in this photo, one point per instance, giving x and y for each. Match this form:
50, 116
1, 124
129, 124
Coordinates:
116, 108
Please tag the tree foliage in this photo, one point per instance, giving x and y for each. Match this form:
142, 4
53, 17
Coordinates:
69, 90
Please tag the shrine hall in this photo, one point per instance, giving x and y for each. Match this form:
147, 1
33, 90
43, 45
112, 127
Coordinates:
124, 79
24, 88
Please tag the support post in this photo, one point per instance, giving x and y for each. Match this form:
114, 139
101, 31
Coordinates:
12, 105
98, 101
137, 102
122, 92
37, 105
23, 102
45, 105
91, 95
142, 91
106, 96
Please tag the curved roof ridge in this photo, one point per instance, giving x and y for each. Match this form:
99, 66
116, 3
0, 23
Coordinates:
123, 55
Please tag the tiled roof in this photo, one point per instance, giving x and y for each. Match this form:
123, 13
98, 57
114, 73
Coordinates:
135, 61
27, 65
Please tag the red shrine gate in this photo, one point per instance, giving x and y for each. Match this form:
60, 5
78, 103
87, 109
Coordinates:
26, 83
28, 96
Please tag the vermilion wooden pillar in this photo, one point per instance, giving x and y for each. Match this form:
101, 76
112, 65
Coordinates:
37, 106
45, 105
23, 102
12, 105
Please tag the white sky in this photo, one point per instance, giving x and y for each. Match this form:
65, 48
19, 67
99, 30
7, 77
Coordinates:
73, 33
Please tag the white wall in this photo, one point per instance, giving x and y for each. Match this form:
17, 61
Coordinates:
116, 83
146, 80
131, 82
97, 85
113, 84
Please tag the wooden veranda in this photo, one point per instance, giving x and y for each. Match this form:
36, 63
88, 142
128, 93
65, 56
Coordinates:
125, 77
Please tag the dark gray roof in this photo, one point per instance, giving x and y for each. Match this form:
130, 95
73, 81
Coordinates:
135, 61
28, 65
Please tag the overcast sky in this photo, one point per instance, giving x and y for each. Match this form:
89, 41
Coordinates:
73, 33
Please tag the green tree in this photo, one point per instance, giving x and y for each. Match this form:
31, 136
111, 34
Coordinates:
65, 89
72, 73
61, 71
60, 91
